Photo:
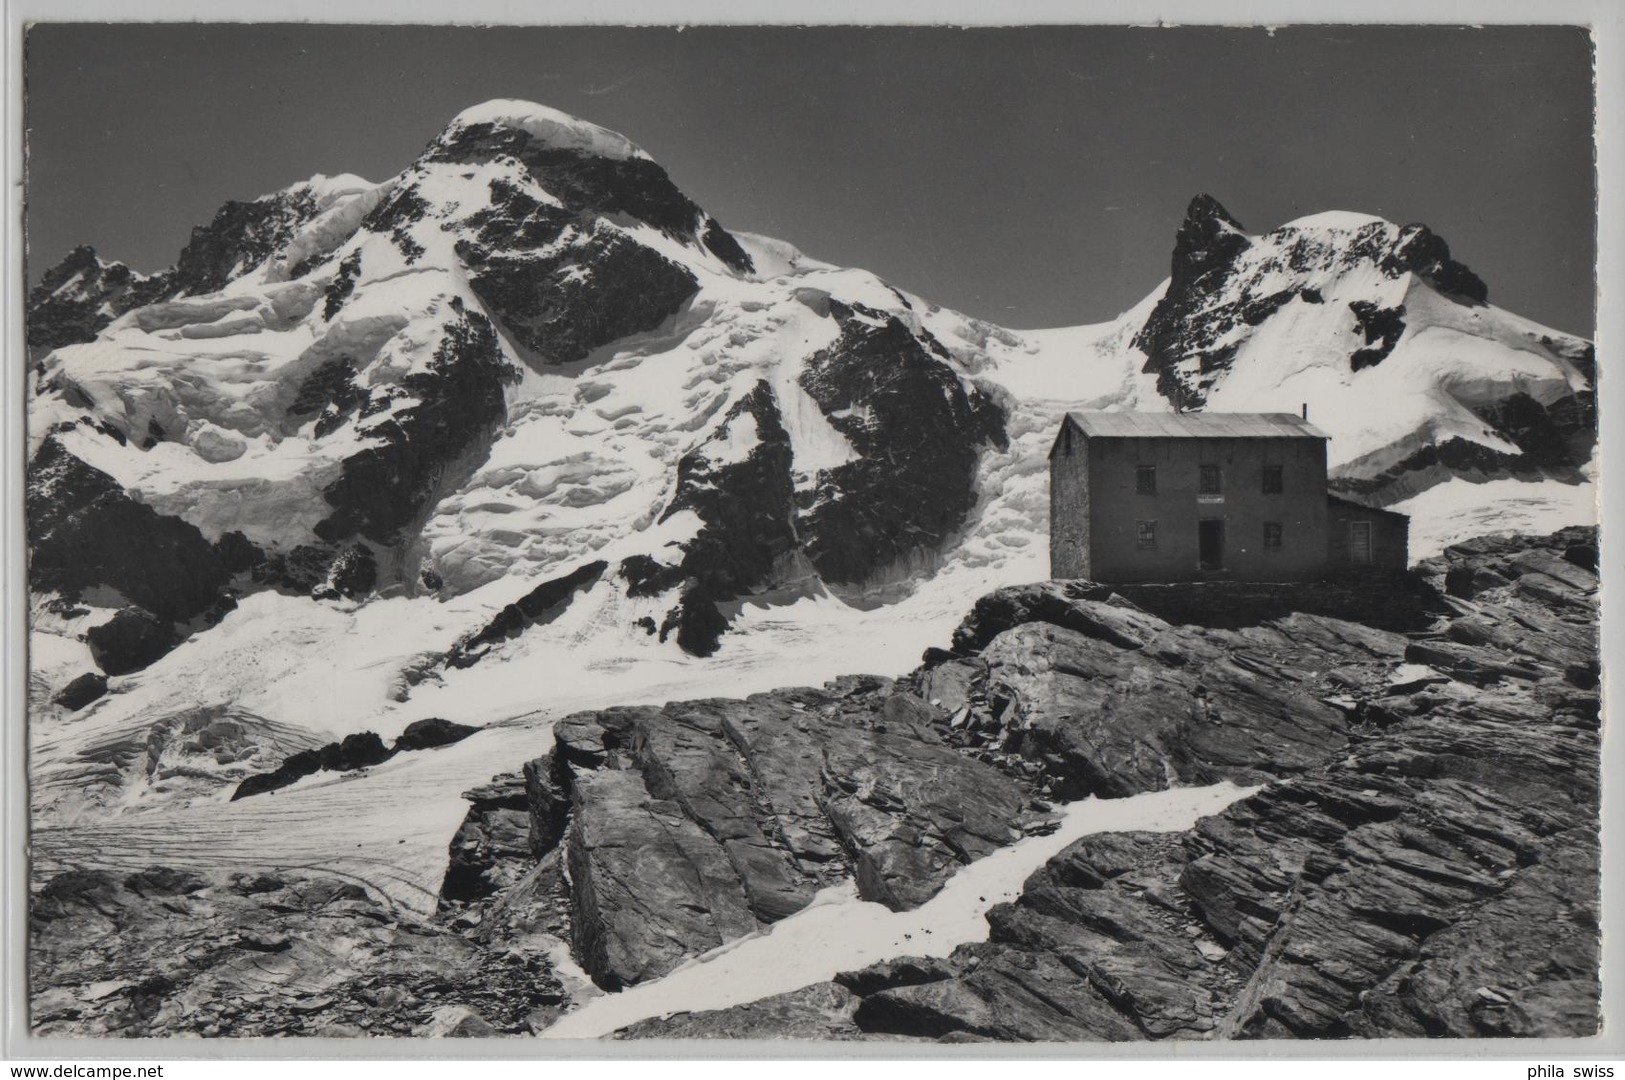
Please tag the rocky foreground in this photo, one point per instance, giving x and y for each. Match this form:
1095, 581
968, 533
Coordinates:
1434, 874
1422, 858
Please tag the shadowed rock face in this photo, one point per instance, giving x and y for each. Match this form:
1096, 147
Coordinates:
129, 641
82, 691
491, 853
919, 432
384, 488
1205, 247
1434, 873
83, 530
747, 506
561, 285
240, 237
76, 299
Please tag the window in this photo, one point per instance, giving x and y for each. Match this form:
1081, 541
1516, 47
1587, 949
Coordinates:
1145, 480
1273, 484
1360, 543
1209, 481
1147, 535
1272, 536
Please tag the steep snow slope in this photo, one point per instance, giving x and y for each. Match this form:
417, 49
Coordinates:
503, 432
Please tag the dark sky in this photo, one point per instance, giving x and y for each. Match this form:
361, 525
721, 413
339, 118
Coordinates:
1033, 177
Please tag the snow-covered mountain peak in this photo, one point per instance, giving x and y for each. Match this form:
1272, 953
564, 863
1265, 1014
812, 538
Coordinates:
1389, 340
549, 127
527, 395
1225, 286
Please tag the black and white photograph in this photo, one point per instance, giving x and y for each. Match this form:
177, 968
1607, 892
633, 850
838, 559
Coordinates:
894, 534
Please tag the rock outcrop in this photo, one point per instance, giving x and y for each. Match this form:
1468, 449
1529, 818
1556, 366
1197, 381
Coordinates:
1433, 873
492, 851
82, 691
687, 826
356, 751
1097, 696
85, 531
691, 825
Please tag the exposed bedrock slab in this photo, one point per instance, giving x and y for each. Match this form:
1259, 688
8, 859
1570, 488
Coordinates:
1100, 697
699, 822
1433, 873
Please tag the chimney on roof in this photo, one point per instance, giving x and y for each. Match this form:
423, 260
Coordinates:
1306, 410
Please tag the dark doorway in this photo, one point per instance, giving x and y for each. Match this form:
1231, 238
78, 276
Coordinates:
1210, 543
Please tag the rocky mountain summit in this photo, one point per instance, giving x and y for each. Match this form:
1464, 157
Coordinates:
1243, 315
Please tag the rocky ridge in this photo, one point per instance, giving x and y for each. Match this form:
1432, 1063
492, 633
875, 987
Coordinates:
1218, 287
690, 825
82, 295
